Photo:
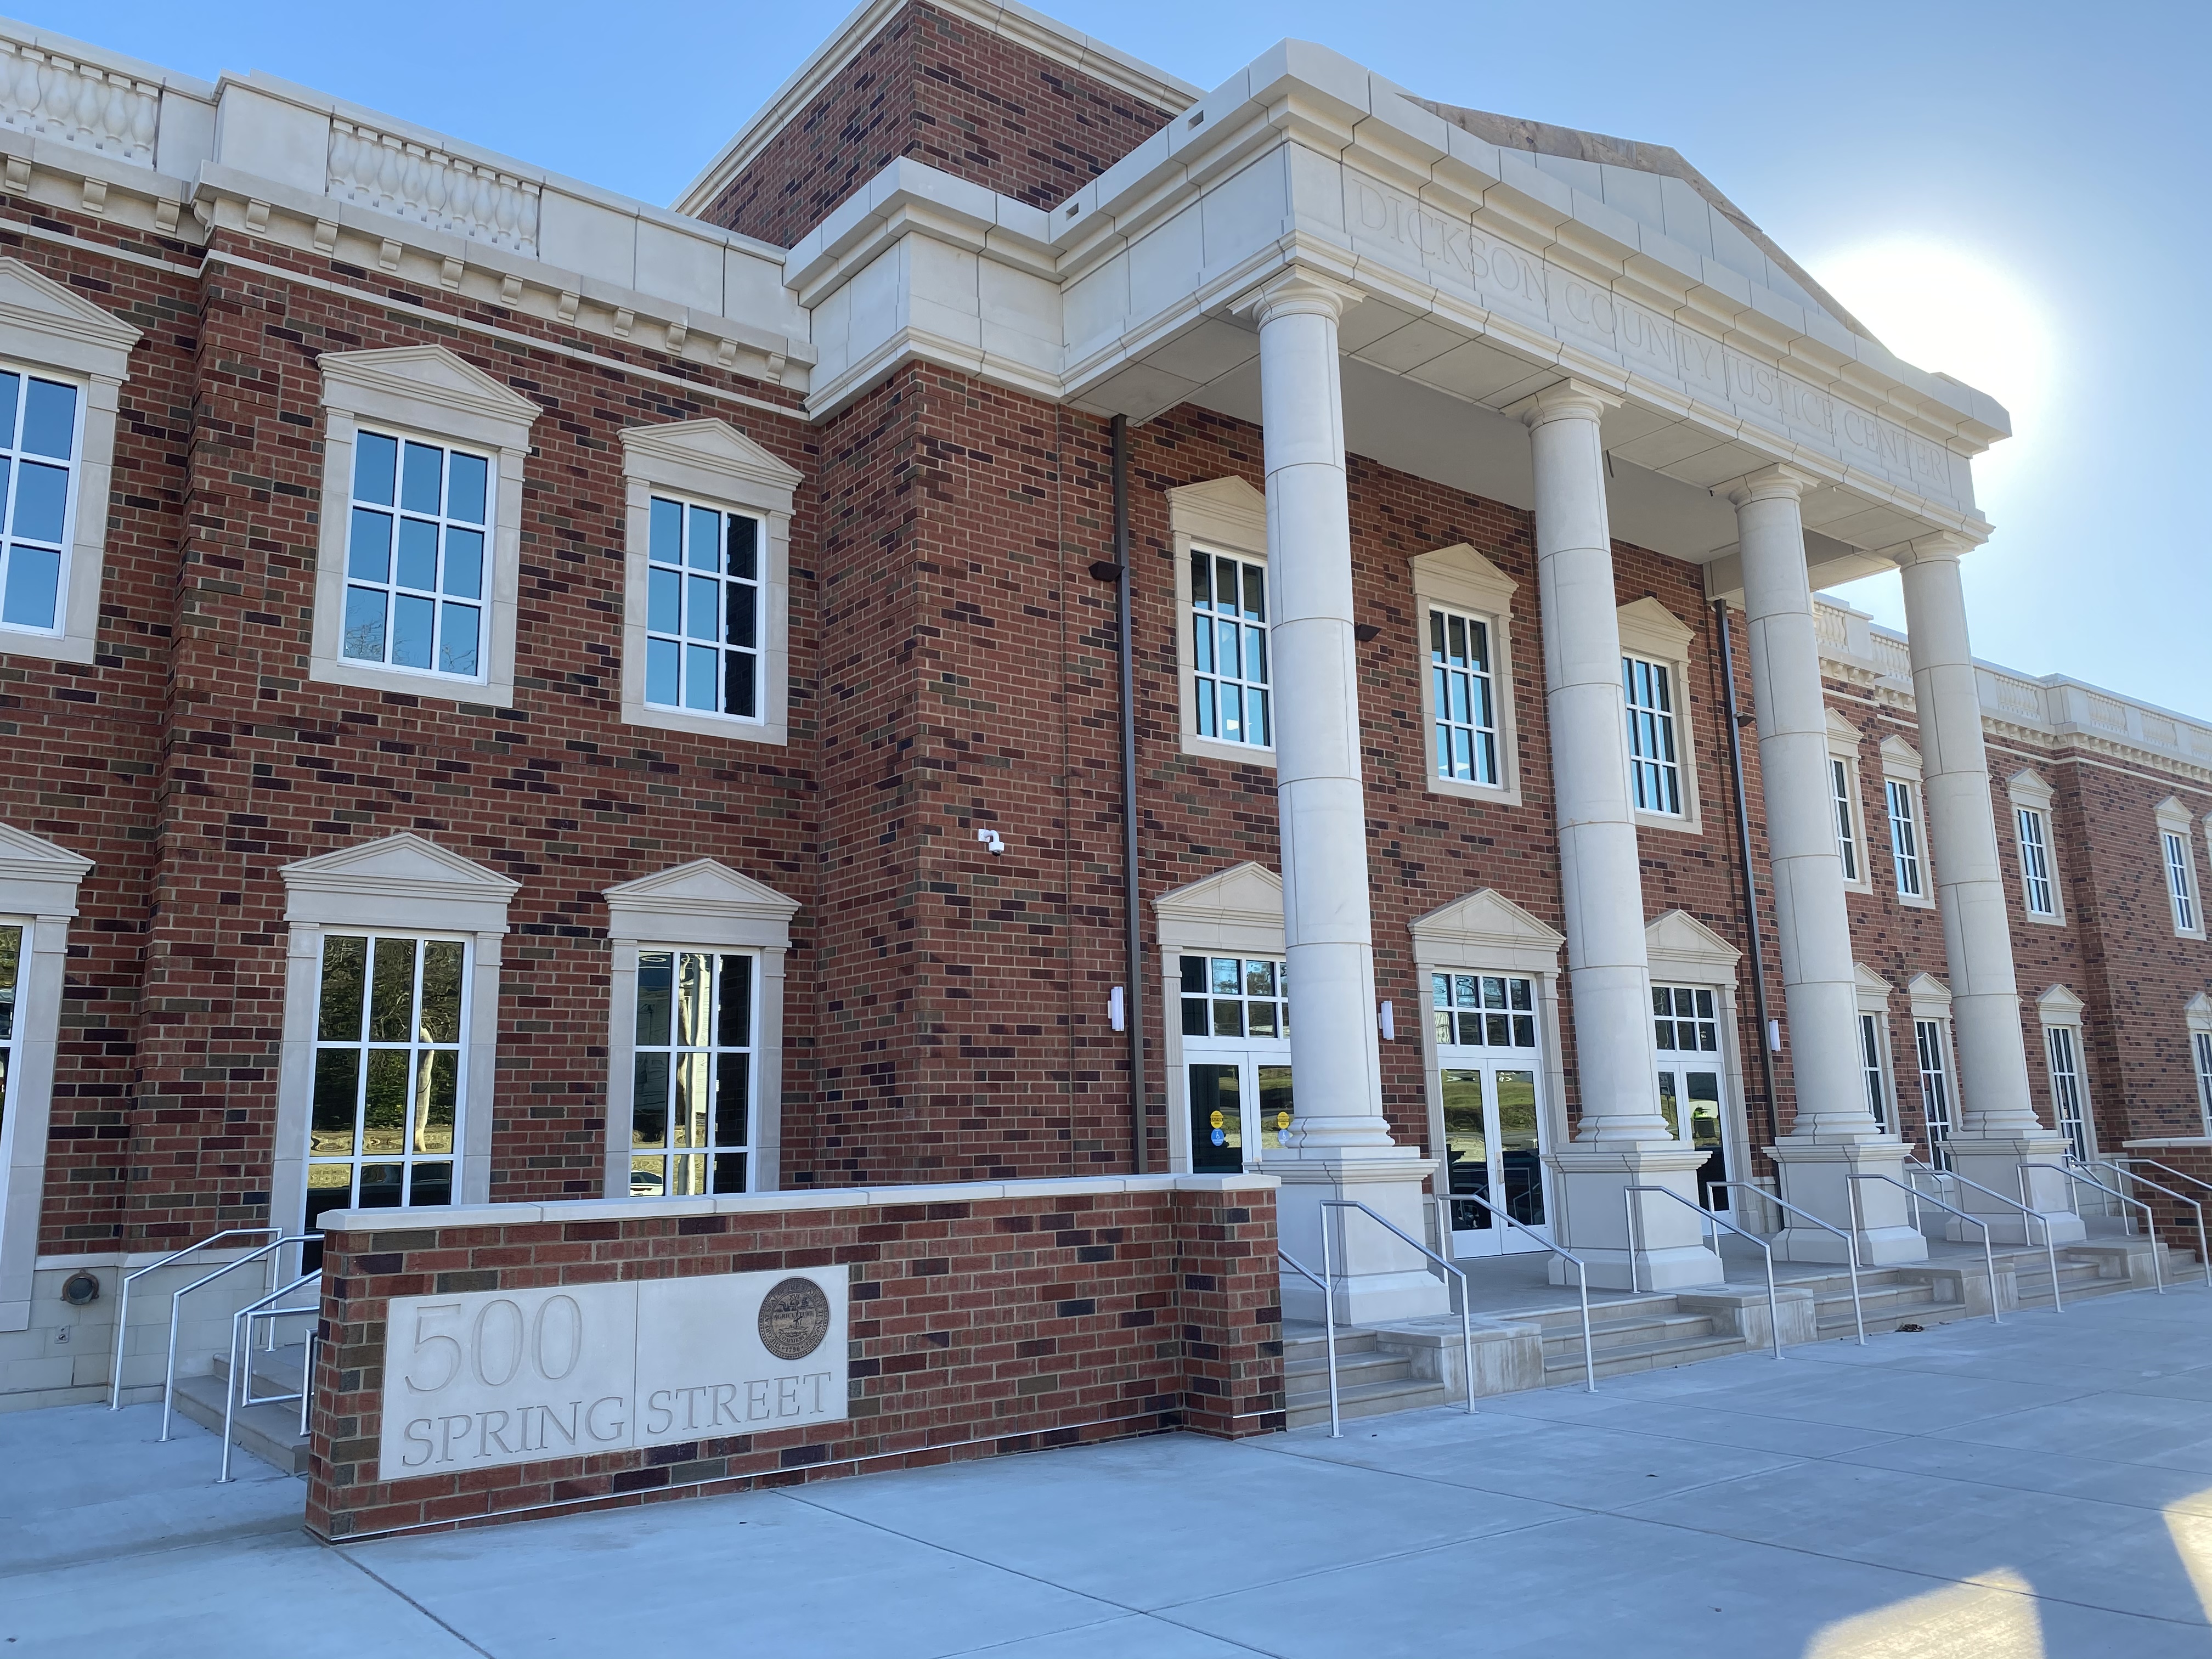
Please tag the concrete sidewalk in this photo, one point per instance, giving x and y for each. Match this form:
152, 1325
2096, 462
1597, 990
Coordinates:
2040, 1488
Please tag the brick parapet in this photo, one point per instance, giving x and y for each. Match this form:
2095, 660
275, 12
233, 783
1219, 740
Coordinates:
979, 1326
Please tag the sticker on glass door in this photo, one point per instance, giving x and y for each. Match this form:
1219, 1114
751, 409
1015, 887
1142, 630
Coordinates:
1490, 1068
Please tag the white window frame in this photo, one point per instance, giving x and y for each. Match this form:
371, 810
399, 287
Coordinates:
1850, 812
705, 906
711, 463
1650, 633
1238, 912
39, 883
408, 885
2197, 1015
2031, 799
1931, 1039
391, 589
2176, 860
1900, 771
1227, 517
429, 393
1683, 951
47, 331
2060, 1013
1873, 994
1460, 579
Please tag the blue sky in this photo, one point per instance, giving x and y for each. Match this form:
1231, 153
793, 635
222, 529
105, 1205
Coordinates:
2011, 193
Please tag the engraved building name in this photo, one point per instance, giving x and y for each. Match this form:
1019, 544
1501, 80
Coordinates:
490, 1377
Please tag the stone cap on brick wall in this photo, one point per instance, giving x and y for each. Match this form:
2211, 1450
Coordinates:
827, 1198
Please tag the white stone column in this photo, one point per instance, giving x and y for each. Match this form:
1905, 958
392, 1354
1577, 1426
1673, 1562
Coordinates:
1834, 1136
1622, 1140
1339, 1145
1998, 1129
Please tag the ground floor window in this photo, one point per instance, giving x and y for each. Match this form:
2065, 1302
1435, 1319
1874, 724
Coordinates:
2062, 1045
1934, 1090
2200, 1043
383, 1129
1870, 1067
11, 979
1236, 1015
691, 1127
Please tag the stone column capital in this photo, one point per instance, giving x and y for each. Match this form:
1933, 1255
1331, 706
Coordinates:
1569, 400
1298, 290
1771, 483
1937, 547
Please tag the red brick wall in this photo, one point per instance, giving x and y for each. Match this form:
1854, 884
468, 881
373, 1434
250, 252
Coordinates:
966, 101
980, 1325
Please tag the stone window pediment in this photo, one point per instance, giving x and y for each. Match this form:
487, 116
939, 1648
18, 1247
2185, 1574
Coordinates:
701, 903
1239, 909
402, 880
1485, 929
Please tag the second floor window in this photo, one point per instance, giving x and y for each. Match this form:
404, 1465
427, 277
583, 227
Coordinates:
2035, 862
703, 611
1460, 683
39, 431
1229, 649
2179, 886
1847, 842
1905, 840
416, 570
1655, 773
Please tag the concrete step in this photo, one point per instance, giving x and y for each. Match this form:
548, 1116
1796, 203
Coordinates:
1302, 1409
271, 1433
1607, 1334
1624, 1357
1305, 1374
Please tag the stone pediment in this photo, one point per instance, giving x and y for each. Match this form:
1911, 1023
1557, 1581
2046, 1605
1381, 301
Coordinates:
1927, 992
1463, 567
1678, 936
1226, 510
710, 445
702, 887
37, 877
1485, 929
1841, 731
1873, 988
2199, 1010
71, 332
2059, 1006
1648, 625
1900, 755
422, 374
1248, 893
404, 867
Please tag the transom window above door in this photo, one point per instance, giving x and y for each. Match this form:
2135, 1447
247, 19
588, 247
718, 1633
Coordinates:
1685, 1020
703, 611
416, 568
1229, 649
1483, 1010
1234, 997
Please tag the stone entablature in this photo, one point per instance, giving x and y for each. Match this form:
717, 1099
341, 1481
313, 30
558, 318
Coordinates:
2054, 712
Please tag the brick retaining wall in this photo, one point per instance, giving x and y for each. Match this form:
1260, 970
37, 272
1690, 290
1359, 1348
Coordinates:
986, 1319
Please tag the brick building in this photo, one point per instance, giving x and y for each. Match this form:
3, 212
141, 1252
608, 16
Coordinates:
512, 693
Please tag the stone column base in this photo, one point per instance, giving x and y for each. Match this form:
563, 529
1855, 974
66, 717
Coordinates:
1816, 1177
1590, 1181
1995, 1161
1375, 1277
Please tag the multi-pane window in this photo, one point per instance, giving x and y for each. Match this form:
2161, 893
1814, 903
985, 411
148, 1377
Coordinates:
39, 440
1905, 840
2060, 1044
1460, 682
2178, 885
1847, 841
416, 574
1655, 773
1934, 1090
11, 976
1234, 997
1229, 649
1483, 1010
2200, 1043
388, 1076
703, 611
2035, 861
1684, 1020
1871, 1046
691, 1100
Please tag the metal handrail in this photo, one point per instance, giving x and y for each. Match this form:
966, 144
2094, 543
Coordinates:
1466, 1291
1328, 1316
1582, 1268
2050, 1248
176, 1304
123, 1300
1850, 1247
2072, 1169
2203, 1256
238, 1386
1628, 1210
1988, 1255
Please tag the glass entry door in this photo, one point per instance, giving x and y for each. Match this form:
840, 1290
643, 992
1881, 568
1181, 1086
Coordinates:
1489, 1080
1236, 1059
1687, 1028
